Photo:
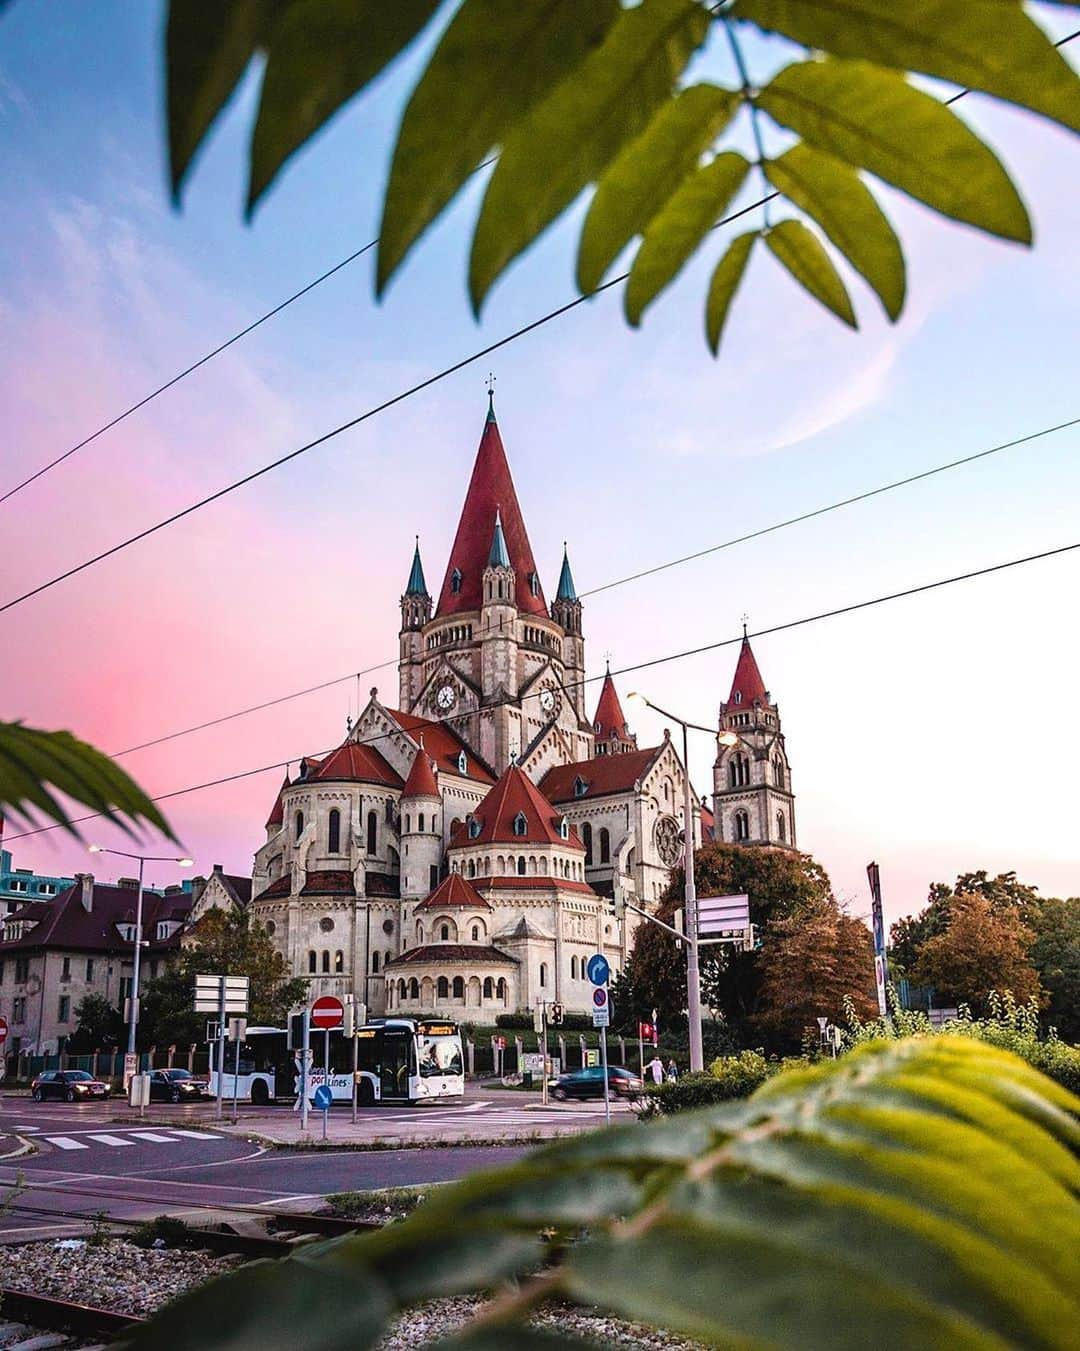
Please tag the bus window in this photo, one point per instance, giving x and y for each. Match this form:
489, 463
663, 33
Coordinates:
439, 1054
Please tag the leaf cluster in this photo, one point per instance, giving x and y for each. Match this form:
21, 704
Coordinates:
920, 1193
572, 95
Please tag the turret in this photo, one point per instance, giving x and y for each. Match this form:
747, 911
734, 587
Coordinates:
566, 612
498, 626
421, 829
613, 736
415, 613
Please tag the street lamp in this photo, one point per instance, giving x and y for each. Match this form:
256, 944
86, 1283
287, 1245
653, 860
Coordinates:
693, 970
142, 859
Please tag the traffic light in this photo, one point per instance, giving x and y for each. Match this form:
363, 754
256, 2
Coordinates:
555, 1015
616, 907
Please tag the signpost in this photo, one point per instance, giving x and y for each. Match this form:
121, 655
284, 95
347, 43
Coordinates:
723, 917
324, 1096
328, 1012
3, 1039
599, 972
221, 995
881, 966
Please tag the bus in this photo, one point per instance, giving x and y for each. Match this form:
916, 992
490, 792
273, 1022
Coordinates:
399, 1060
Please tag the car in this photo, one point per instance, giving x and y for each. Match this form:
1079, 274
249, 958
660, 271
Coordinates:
69, 1085
589, 1083
175, 1086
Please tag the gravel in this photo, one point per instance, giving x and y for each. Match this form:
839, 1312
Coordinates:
126, 1278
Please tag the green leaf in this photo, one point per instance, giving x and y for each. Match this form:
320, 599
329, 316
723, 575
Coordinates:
646, 172
33, 761
804, 256
322, 53
725, 282
496, 60
873, 119
680, 226
836, 197
207, 49
570, 138
990, 45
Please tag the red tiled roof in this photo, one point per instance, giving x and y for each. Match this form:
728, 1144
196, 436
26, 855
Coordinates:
747, 684
491, 489
330, 882
421, 780
515, 794
443, 745
444, 953
66, 925
354, 761
531, 884
277, 816
454, 892
601, 776
280, 886
609, 715
382, 884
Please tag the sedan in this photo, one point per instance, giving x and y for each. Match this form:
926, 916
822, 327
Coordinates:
589, 1083
175, 1086
70, 1085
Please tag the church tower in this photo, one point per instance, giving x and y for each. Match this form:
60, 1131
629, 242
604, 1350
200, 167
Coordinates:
566, 612
415, 613
613, 736
500, 732
752, 798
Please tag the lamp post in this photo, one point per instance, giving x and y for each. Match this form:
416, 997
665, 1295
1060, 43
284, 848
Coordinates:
142, 860
693, 970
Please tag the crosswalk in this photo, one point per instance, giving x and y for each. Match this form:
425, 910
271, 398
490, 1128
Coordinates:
84, 1139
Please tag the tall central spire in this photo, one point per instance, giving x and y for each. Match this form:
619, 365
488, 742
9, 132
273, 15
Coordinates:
490, 496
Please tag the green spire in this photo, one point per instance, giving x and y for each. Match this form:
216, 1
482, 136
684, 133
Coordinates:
566, 589
417, 586
491, 406
498, 557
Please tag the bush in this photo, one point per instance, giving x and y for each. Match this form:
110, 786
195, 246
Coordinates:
728, 1077
523, 1022
740, 1074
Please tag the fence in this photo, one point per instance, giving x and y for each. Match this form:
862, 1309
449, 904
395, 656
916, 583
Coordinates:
108, 1065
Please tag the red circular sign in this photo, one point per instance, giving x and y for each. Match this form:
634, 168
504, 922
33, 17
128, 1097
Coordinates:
327, 1012
3, 1030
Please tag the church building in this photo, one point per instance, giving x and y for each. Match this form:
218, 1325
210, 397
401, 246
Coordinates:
467, 848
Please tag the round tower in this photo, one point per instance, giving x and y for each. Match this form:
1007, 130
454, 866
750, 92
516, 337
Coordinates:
421, 830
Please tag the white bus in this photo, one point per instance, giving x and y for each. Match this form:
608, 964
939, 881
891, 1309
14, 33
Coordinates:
264, 1071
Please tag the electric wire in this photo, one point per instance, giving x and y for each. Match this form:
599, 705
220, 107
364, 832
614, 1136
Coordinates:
453, 719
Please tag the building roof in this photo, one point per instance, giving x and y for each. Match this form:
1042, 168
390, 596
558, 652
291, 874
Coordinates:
65, 925
421, 781
600, 777
354, 761
440, 954
443, 745
610, 719
490, 493
512, 882
277, 815
416, 585
280, 886
382, 884
566, 589
747, 684
515, 795
454, 893
328, 882
497, 555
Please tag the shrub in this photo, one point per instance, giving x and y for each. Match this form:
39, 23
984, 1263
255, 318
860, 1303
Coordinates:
734, 1076
740, 1074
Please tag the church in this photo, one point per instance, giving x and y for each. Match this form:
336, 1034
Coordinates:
468, 847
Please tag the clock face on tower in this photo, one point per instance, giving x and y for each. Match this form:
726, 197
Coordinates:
446, 698
549, 700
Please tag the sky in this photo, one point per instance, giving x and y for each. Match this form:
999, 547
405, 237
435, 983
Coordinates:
936, 734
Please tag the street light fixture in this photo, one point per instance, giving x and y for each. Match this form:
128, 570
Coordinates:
142, 859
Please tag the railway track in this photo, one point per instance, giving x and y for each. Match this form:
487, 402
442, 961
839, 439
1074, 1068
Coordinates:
62, 1315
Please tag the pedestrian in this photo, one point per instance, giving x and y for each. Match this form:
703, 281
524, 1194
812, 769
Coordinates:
656, 1068
672, 1071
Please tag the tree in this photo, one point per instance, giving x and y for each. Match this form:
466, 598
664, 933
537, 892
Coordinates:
983, 948
1055, 955
227, 943
567, 94
778, 881
908, 936
100, 1026
810, 963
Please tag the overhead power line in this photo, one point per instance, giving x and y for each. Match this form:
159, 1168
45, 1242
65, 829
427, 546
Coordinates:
623, 670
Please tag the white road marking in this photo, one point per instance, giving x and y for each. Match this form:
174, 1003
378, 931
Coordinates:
156, 1139
195, 1135
27, 1130
111, 1140
64, 1142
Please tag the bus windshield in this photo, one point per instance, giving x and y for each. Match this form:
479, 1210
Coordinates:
439, 1054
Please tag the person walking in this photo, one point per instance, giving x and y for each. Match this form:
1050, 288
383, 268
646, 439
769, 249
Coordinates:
655, 1067
671, 1074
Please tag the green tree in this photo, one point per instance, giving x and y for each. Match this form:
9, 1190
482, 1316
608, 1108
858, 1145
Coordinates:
779, 882
909, 935
226, 943
567, 95
982, 949
1055, 955
100, 1026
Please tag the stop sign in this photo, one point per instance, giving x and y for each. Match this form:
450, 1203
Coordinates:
3, 1031
327, 1012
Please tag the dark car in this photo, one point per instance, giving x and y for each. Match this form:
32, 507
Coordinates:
589, 1083
175, 1086
70, 1085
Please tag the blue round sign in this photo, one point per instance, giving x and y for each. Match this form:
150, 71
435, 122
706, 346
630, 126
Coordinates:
598, 970
323, 1097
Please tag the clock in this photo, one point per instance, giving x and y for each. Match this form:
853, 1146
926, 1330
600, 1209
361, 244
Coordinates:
446, 698
550, 700
669, 841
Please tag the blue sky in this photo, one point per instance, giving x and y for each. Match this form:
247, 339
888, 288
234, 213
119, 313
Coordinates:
935, 734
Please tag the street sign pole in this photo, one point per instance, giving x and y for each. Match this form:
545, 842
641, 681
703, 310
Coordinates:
607, 1086
326, 1060
305, 1052
221, 1052
544, 1054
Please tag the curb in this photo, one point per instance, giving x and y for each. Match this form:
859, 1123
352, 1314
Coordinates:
25, 1147
394, 1143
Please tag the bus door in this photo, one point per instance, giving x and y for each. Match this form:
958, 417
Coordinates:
397, 1057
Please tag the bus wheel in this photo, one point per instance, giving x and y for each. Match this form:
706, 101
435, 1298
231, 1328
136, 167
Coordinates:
260, 1094
366, 1095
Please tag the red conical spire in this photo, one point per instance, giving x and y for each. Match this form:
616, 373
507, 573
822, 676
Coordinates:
747, 684
277, 815
421, 781
609, 715
491, 491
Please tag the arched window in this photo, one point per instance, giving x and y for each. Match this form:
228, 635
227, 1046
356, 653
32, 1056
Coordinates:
299, 824
586, 840
605, 845
489, 988
476, 933
471, 868
443, 988
372, 830
408, 824
564, 828
742, 826
312, 962
414, 988
444, 933
333, 832
500, 989
573, 968
521, 825
459, 987
781, 826
463, 765
455, 581
326, 961
474, 828
738, 771
543, 974
521, 866
339, 961
374, 963
778, 772
420, 823
401, 988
